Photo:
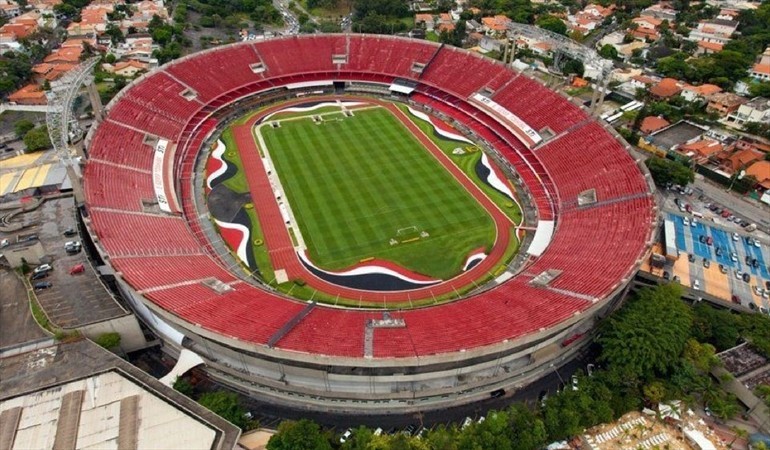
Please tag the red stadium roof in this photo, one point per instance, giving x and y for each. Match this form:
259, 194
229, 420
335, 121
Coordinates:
596, 248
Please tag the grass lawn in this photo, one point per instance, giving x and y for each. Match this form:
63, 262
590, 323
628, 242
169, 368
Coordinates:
467, 163
354, 182
236, 183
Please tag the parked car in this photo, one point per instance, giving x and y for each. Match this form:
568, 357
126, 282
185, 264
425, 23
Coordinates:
76, 269
346, 435
718, 251
72, 247
696, 285
722, 268
746, 277
736, 299
39, 275
686, 221
709, 240
733, 257
736, 238
691, 257
39, 286
706, 263
70, 232
42, 268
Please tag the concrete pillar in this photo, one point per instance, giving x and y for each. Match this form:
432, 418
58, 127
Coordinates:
77, 186
594, 97
79, 148
96, 101
605, 82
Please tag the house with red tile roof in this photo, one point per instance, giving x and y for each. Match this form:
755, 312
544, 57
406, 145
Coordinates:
761, 70
30, 94
760, 170
701, 150
427, 19
651, 124
666, 88
699, 93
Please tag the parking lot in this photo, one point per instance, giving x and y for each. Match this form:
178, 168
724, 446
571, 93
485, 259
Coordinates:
71, 300
722, 262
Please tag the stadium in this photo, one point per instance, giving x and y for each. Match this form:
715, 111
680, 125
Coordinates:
216, 166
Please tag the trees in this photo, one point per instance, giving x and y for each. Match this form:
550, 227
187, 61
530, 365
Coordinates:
665, 171
226, 405
22, 127
552, 23
16, 69
647, 337
37, 139
608, 51
299, 435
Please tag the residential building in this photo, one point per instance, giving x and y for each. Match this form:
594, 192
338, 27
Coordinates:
651, 124
660, 11
93, 21
427, 19
761, 70
716, 30
755, 110
701, 150
127, 69
724, 103
699, 93
708, 48
741, 159
666, 88
30, 94
760, 170
495, 25
589, 18
10, 9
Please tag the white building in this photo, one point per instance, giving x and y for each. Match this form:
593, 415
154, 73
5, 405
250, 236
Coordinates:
757, 110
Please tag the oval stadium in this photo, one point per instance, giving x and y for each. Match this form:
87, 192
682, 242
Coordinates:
354, 223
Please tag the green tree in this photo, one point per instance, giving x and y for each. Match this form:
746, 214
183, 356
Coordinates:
666, 171
37, 139
608, 51
760, 89
184, 387
299, 435
648, 335
552, 23
22, 127
225, 404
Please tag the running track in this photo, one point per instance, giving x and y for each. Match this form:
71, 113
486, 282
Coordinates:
278, 241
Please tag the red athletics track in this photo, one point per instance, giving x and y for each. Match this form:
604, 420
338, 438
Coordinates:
278, 241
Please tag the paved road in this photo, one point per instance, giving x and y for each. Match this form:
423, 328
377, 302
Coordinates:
17, 326
752, 210
270, 415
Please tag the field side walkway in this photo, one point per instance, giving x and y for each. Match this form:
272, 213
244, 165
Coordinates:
278, 240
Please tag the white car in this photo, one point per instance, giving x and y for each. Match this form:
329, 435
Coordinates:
346, 435
733, 257
694, 222
42, 268
686, 221
736, 238
696, 285
757, 244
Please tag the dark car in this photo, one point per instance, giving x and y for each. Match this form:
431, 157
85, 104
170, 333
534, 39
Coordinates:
702, 239
691, 258
70, 232
39, 275
497, 393
746, 277
31, 237
747, 259
718, 251
666, 275
706, 263
42, 285
767, 285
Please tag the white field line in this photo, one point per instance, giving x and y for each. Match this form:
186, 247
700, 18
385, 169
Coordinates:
275, 182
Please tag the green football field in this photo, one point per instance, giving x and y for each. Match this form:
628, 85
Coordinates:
358, 184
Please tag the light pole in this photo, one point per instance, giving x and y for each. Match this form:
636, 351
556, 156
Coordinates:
737, 177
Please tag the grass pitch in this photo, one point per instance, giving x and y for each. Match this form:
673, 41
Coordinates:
357, 183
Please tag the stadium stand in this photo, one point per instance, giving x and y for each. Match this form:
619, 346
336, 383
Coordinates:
533, 104
596, 247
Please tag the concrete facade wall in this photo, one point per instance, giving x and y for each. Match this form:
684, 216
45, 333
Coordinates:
131, 335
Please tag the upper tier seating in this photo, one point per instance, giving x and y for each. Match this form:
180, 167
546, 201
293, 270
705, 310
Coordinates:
460, 72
